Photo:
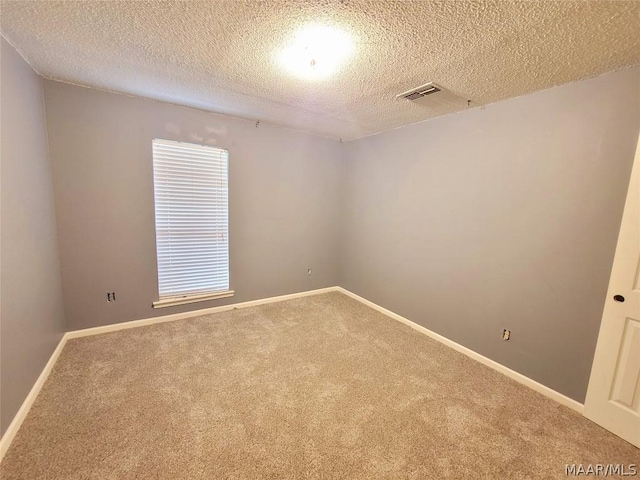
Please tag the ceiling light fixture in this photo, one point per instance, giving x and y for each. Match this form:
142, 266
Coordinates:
316, 52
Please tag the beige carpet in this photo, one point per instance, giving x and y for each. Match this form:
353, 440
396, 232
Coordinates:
318, 387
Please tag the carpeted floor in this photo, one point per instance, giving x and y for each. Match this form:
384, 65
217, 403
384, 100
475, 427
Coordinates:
317, 387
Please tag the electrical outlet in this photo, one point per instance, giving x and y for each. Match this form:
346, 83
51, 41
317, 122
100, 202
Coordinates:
506, 335
111, 296
309, 272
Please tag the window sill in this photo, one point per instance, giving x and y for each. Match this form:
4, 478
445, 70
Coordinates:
175, 301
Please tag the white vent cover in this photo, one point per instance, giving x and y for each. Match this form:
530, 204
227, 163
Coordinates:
433, 96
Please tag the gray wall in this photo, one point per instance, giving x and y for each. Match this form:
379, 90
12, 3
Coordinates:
282, 201
32, 315
503, 217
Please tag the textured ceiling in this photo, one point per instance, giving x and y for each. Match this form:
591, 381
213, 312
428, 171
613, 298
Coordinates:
222, 55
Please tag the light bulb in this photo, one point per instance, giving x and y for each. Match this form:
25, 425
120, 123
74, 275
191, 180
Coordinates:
316, 52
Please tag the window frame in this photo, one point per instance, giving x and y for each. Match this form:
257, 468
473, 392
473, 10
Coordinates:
170, 300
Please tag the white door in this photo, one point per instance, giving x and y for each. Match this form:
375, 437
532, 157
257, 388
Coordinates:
613, 396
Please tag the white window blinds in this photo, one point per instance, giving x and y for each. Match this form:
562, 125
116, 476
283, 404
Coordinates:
192, 227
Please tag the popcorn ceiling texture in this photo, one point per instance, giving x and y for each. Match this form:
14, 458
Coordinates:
222, 56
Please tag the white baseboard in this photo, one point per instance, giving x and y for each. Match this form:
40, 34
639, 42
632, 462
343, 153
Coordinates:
8, 436
193, 313
10, 433
518, 377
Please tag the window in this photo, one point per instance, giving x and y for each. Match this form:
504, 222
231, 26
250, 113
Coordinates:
192, 222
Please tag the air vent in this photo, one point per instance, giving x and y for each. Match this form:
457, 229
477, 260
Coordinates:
419, 92
433, 96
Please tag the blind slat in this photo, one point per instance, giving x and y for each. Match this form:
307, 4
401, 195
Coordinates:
192, 224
